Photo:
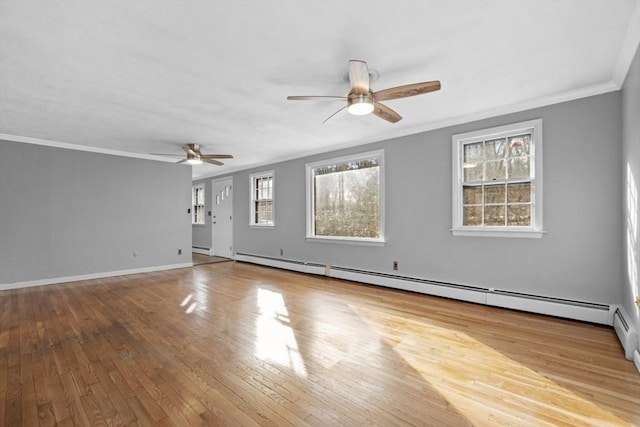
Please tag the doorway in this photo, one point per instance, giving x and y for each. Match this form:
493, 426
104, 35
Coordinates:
222, 217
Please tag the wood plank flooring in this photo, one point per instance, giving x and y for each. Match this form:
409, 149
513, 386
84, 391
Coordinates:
198, 259
243, 345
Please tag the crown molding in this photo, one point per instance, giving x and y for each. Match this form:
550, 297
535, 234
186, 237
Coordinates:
66, 145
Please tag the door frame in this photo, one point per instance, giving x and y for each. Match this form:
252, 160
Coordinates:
213, 212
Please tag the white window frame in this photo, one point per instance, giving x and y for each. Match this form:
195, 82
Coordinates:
378, 154
252, 181
194, 205
535, 230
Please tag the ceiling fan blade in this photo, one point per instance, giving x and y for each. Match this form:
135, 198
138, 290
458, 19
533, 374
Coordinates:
192, 149
327, 119
359, 77
406, 90
217, 156
386, 113
315, 98
213, 162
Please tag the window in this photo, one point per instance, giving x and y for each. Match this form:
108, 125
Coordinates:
345, 198
262, 212
497, 181
197, 201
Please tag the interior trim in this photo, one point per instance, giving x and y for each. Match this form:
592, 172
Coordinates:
57, 280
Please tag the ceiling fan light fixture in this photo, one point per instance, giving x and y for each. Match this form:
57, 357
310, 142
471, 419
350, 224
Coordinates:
360, 105
194, 159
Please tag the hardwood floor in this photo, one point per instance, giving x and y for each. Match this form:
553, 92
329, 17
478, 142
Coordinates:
198, 259
239, 344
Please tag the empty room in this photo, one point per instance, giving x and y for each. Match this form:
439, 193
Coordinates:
320, 213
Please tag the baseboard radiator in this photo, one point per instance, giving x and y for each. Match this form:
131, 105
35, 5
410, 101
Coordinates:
559, 307
201, 250
286, 264
626, 332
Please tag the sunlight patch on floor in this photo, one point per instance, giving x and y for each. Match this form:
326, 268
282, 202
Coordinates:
484, 385
275, 340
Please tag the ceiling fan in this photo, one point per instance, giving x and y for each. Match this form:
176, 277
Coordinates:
361, 100
195, 157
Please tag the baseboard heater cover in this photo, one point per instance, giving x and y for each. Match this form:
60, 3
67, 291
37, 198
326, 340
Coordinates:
201, 250
413, 284
626, 332
285, 264
552, 306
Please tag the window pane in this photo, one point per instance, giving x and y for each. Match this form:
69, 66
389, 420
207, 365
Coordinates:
494, 193
495, 149
262, 199
472, 195
347, 202
519, 167
494, 215
472, 215
519, 215
473, 172
264, 212
494, 175
197, 208
495, 170
519, 193
473, 153
520, 145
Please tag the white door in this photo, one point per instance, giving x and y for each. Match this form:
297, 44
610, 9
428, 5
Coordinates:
222, 217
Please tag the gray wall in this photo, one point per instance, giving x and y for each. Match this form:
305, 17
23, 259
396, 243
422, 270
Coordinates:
68, 213
580, 257
631, 171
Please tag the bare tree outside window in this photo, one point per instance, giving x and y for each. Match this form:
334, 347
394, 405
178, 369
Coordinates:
347, 198
497, 181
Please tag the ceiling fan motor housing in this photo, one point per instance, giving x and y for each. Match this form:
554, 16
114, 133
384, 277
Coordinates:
360, 104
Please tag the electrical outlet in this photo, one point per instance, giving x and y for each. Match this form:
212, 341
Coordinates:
179, 251
395, 265
281, 252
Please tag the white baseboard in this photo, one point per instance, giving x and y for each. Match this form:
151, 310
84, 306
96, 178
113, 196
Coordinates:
551, 306
56, 280
636, 359
202, 250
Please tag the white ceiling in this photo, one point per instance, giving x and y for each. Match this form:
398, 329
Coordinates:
148, 76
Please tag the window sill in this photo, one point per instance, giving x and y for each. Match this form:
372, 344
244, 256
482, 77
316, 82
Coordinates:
265, 227
483, 232
347, 241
